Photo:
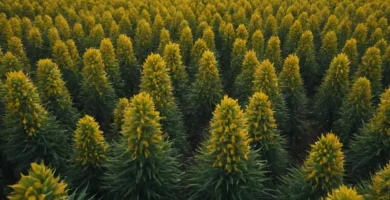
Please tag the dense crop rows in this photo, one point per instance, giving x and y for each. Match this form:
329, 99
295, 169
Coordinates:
194, 99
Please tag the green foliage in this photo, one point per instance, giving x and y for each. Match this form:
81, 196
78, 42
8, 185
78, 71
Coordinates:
16, 26
331, 25
350, 49
294, 186
344, 193
257, 43
54, 95
89, 153
242, 33
344, 31
78, 33
225, 159
382, 45
370, 148
255, 23
53, 36
97, 94
111, 65
307, 94
244, 82
158, 25
106, 21
293, 36
217, 23
114, 31
273, 53
228, 38
40, 183
285, 26
197, 51
80, 194
29, 133
263, 132
328, 51
186, 42
314, 26
25, 26
379, 187
209, 37
371, 68
63, 27
143, 165
96, 35
125, 25
15, 46
143, 39
119, 113
360, 15
74, 55
332, 91
206, 92
177, 72
386, 68
9, 63
6, 31
355, 111
360, 34
237, 58
291, 86
128, 66
376, 36
201, 28
266, 81
61, 56
35, 42
271, 27
165, 39
156, 81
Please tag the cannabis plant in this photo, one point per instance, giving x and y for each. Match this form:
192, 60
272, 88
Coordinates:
143, 164
225, 166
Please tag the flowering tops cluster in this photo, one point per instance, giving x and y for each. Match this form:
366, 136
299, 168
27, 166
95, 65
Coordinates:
51, 83
173, 59
119, 112
381, 184
344, 193
141, 127
94, 70
208, 67
290, 73
21, 99
379, 123
337, 74
325, 164
156, 81
266, 79
39, 184
361, 92
229, 141
261, 121
90, 146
